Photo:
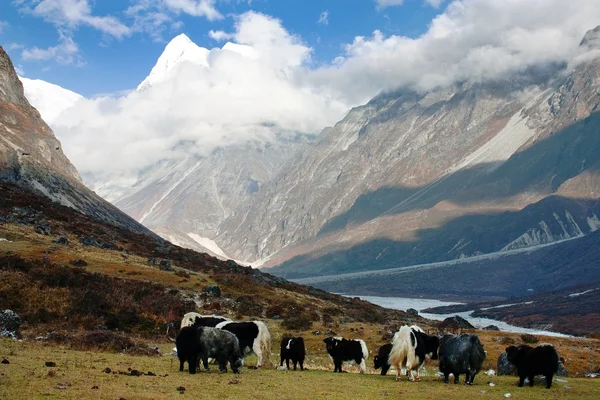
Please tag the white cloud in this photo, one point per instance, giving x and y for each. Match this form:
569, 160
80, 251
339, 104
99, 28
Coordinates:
324, 18
158, 17
19, 69
238, 98
70, 14
388, 3
65, 52
471, 39
242, 95
3, 25
197, 8
220, 36
434, 3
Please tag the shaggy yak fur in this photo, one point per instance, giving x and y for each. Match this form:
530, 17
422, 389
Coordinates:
461, 354
381, 360
203, 342
341, 350
253, 336
410, 346
292, 348
530, 361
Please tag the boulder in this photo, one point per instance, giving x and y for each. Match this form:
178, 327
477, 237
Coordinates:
212, 290
491, 328
529, 339
10, 321
562, 371
412, 311
43, 228
505, 367
457, 322
62, 239
165, 265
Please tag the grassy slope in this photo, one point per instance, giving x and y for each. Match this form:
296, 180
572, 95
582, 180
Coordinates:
26, 377
125, 272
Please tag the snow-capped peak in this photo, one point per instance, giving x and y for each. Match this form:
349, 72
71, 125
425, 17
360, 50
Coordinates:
179, 49
49, 99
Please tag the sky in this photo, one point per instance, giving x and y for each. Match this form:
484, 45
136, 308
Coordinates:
306, 63
103, 46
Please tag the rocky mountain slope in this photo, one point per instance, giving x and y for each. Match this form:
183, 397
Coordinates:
412, 178
32, 157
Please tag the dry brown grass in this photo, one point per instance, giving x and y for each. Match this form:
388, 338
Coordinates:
27, 377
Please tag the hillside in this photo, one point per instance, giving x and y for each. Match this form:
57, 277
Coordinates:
103, 274
32, 157
413, 178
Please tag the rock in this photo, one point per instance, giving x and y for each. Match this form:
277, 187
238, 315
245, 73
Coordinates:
562, 370
78, 263
180, 389
504, 367
50, 364
165, 265
456, 322
412, 311
135, 372
62, 239
95, 387
507, 395
150, 373
89, 241
4, 361
213, 290
234, 382
10, 321
527, 338
152, 261
491, 328
43, 228
107, 370
490, 373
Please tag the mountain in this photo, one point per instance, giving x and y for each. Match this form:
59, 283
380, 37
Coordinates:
32, 157
178, 50
414, 178
49, 99
187, 199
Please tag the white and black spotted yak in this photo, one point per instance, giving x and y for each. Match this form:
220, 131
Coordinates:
410, 346
195, 343
341, 350
292, 348
253, 337
461, 354
541, 360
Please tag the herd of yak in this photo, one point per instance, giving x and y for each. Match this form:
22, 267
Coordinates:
202, 337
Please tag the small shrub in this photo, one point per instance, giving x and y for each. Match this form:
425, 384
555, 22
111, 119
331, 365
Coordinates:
274, 311
530, 339
297, 321
248, 307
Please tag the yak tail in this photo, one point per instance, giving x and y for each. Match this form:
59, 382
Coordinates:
264, 339
169, 337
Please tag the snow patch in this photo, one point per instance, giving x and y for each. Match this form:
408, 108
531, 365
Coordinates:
208, 244
593, 222
584, 292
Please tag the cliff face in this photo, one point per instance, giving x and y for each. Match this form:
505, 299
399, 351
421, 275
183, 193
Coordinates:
32, 157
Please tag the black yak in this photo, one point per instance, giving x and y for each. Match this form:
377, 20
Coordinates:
381, 360
530, 361
461, 354
292, 348
202, 342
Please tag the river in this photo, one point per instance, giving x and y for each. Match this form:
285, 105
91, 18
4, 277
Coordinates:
402, 303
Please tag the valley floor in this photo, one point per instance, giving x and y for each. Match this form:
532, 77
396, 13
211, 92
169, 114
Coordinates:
80, 375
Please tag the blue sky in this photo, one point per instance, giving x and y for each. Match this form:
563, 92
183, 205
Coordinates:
103, 46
